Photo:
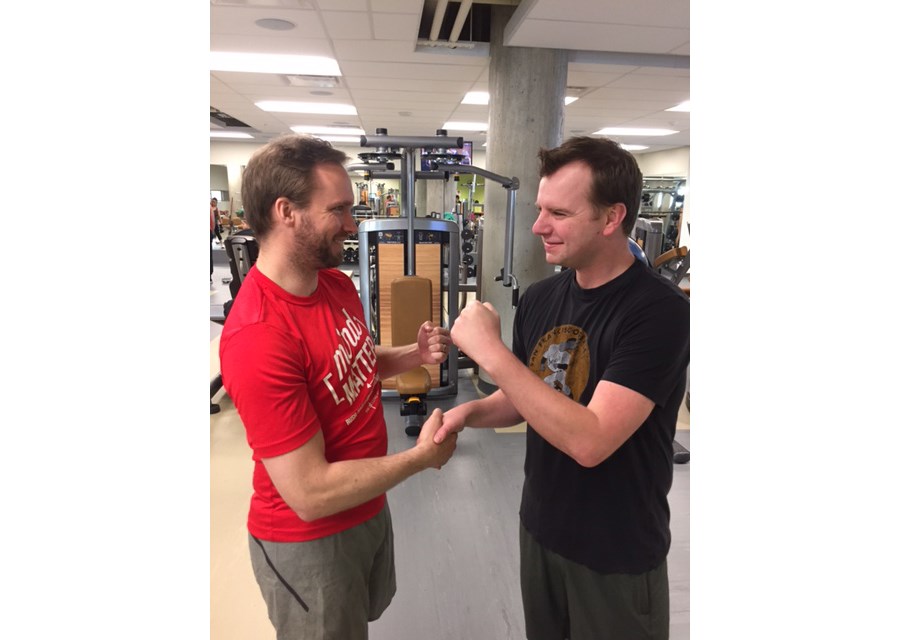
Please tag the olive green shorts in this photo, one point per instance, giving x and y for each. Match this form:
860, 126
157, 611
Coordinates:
330, 588
564, 600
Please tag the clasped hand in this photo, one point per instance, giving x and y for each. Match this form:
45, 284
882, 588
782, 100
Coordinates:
477, 330
433, 343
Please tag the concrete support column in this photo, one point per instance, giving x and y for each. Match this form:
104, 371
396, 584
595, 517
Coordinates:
434, 195
527, 89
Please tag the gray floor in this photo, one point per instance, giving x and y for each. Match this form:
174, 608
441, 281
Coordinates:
457, 540
456, 533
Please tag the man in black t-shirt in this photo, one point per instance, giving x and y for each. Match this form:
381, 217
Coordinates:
598, 371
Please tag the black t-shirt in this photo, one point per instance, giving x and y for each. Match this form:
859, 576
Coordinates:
634, 331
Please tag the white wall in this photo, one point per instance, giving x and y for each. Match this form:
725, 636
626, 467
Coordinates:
675, 162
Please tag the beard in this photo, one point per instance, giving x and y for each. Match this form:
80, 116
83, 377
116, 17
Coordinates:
312, 251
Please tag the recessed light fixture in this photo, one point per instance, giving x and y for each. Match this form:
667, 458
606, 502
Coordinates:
633, 147
321, 93
275, 24
287, 106
229, 134
338, 131
476, 97
465, 126
629, 131
684, 106
570, 99
273, 63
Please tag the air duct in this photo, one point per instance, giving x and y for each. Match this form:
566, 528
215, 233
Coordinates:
464, 7
438, 20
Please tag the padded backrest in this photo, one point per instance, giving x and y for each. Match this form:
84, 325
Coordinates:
410, 307
242, 251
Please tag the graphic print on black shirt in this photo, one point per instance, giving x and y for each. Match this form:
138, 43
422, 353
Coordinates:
561, 359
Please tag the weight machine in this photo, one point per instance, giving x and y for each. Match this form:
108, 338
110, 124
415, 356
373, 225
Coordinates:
398, 255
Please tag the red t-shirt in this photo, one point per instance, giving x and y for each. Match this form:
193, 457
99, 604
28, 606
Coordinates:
294, 366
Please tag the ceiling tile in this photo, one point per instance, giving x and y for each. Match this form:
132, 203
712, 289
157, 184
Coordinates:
672, 13
346, 24
267, 44
396, 26
242, 21
595, 37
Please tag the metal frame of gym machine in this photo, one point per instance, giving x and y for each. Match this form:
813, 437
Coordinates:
377, 165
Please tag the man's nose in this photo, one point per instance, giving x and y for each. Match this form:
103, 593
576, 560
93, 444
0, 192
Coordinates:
350, 225
540, 225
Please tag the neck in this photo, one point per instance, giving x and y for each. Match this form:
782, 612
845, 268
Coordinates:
298, 282
606, 268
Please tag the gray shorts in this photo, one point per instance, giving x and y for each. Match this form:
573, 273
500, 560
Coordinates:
565, 600
330, 588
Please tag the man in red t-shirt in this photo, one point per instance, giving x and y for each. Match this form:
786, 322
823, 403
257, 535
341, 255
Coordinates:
305, 376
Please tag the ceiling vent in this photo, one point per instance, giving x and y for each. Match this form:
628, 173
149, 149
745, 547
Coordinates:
441, 22
221, 120
316, 82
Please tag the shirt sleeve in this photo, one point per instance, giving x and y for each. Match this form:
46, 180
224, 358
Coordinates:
653, 350
264, 373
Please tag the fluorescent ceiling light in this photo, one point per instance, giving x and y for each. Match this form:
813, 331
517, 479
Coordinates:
228, 134
633, 147
275, 24
570, 99
476, 97
273, 63
628, 131
466, 126
684, 106
314, 129
287, 106
353, 139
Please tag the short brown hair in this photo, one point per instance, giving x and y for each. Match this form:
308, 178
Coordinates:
285, 167
616, 176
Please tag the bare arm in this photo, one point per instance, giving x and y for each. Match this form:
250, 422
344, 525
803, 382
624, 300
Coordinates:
315, 488
495, 411
588, 434
431, 347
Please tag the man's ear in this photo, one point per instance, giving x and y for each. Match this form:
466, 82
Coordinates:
283, 211
615, 216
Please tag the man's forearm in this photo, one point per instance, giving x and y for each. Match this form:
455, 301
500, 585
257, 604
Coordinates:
349, 483
395, 360
494, 411
560, 420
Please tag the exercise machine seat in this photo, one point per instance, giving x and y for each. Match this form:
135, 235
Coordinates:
410, 307
415, 382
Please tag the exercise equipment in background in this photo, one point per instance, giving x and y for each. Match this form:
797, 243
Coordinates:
681, 454
413, 295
